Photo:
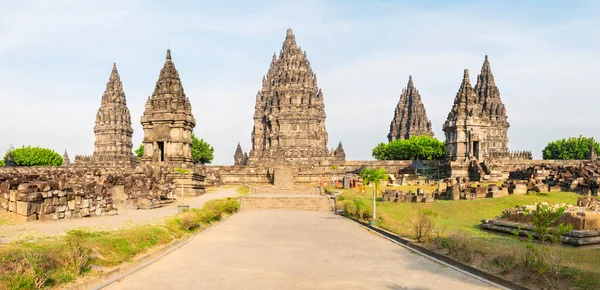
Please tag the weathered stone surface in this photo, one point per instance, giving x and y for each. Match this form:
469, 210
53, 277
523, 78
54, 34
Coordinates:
113, 145
289, 116
477, 126
168, 121
240, 158
410, 118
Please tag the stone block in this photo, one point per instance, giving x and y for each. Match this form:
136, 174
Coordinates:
62, 208
98, 211
3, 203
520, 188
428, 199
71, 204
12, 206
85, 212
480, 192
12, 195
592, 221
24, 208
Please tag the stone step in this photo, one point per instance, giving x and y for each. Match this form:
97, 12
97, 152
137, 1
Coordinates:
286, 190
274, 201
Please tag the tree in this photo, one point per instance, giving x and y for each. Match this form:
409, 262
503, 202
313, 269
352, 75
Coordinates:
202, 152
374, 177
34, 156
570, 149
140, 151
422, 147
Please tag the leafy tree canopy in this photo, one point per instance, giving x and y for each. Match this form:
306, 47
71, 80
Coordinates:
202, 152
34, 156
374, 176
570, 149
422, 147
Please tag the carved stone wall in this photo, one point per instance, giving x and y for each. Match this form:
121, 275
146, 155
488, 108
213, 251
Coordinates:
113, 145
410, 118
477, 125
168, 121
289, 116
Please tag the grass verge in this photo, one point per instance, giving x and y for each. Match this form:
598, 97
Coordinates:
49, 263
458, 229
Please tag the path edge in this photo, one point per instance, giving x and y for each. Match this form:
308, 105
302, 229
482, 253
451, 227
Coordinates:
114, 275
479, 274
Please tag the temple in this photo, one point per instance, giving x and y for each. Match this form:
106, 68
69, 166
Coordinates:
477, 123
410, 118
168, 121
240, 157
289, 116
113, 145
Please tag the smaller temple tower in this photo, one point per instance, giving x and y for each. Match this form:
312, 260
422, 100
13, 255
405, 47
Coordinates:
113, 144
410, 118
66, 160
339, 153
240, 158
167, 120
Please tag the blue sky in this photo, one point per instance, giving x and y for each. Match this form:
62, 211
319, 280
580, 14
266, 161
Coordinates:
56, 58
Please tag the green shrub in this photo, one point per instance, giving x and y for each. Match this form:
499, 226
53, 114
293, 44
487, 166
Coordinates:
202, 152
78, 254
187, 220
424, 224
422, 147
140, 151
349, 208
570, 149
461, 247
34, 156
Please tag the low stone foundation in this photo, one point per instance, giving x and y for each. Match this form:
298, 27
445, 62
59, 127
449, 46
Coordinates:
584, 218
52, 193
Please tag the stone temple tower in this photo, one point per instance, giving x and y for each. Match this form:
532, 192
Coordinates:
477, 124
410, 118
289, 116
167, 120
113, 145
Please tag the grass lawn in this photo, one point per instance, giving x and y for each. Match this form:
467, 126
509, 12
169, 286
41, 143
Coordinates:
465, 216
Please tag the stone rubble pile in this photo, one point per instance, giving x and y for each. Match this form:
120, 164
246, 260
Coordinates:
38, 193
584, 216
582, 179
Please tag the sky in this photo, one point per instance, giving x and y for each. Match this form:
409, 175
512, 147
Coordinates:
56, 57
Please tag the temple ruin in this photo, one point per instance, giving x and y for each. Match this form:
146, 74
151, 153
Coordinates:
410, 118
289, 116
477, 123
113, 145
168, 121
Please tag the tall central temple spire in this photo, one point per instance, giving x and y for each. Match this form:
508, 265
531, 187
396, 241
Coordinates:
289, 117
410, 118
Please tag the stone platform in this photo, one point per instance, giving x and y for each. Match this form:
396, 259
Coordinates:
286, 201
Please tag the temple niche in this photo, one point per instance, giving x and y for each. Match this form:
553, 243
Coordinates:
167, 120
289, 116
113, 145
410, 118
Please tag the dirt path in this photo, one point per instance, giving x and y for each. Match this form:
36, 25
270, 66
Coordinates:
294, 250
125, 218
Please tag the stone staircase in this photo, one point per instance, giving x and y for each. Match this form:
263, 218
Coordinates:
292, 201
284, 194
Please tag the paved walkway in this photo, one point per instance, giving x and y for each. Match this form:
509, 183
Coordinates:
125, 218
293, 250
